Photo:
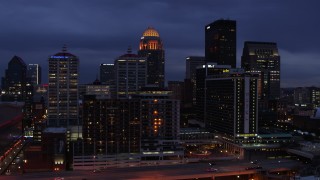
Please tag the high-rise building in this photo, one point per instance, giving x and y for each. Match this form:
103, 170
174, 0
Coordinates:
160, 124
130, 73
34, 74
220, 42
151, 47
110, 126
231, 105
107, 74
203, 72
263, 58
192, 62
63, 89
15, 80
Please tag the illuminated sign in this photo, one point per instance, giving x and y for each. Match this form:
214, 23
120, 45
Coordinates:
246, 135
59, 57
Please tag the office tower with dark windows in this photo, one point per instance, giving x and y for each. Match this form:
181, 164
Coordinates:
231, 105
107, 74
192, 62
130, 73
202, 72
63, 89
34, 74
263, 58
220, 42
151, 47
15, 80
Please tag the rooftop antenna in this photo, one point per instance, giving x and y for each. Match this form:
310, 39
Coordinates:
129, 51
64, 48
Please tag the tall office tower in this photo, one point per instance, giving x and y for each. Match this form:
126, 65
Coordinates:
63, 89
263, 58
203, 72
160, 124
130, 73
15, 80
107, 77
231, 105
34, 74
151, 47
110, 126
192, 62
220, 42
107, 74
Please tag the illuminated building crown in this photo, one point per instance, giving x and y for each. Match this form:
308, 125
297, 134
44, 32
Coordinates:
150, 40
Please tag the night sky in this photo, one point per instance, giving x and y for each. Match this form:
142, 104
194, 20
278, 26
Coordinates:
98, 31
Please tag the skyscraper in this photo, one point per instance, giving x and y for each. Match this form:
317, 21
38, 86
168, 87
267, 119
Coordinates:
192, 62
63, 89
151, 47
160, 125
111, 126
107, 74
15, 80
231, 105
130, 73
208, 69
34, 74
263, 58
220, 42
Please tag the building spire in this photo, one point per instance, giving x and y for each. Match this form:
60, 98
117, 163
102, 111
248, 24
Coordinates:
64, 48
129, 51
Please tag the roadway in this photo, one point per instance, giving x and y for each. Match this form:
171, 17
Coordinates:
11, 154
231, 167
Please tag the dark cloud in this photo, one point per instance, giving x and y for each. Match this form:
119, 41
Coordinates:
98, 31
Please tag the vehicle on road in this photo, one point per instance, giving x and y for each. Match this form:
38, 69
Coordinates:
253, 167
254, 162
212, 170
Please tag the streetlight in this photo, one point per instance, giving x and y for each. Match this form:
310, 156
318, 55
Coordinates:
94, 163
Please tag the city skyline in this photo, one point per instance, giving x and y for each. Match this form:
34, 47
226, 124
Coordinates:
99, 32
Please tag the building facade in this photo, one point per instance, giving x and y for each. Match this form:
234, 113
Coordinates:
231, 105
151, 47
192, 62
107, 77
63, 89
220, 42
160, 124
110, 126
202, 73
263, 58
15, 80
130, 73
34, 74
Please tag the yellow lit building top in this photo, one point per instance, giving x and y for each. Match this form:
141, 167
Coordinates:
150, 32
